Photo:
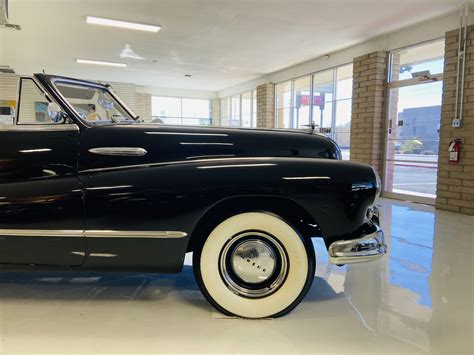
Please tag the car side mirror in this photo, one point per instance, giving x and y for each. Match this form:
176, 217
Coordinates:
55, 113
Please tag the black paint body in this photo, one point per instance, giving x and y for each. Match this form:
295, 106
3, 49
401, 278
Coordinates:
187, 175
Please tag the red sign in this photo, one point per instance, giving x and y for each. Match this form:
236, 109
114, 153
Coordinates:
303, 100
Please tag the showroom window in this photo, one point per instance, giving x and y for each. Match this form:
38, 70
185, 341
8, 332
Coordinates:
240, 110
181, 111
323, 99
413, 121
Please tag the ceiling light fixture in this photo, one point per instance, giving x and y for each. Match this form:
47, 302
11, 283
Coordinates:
91, 20
128, 52
98, 62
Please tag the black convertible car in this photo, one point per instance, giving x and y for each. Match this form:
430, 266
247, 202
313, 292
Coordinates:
84, 185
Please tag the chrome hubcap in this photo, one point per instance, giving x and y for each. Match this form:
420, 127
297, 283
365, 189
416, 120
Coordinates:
253, 264
253, 261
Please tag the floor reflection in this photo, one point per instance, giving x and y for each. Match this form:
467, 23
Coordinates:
417, 299
421, 294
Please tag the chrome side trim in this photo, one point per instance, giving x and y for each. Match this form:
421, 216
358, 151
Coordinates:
189, 134
91, 233
205, 143
37, 150
103, 255
367, 248
234, 166
306, 178
150, 165
41, 233
134, 234
119, 151
40, 128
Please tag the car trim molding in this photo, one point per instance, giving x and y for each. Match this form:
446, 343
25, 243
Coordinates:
194, 161
41, 233
41, 127
134, 234
75, 233
119, 151
190, 134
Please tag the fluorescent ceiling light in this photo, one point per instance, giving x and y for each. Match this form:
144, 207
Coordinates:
98, 62
122, 24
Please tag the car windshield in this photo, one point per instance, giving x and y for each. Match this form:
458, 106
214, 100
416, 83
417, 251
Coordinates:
95, 105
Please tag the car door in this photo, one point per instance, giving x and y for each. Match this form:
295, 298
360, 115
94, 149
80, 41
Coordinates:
41, 203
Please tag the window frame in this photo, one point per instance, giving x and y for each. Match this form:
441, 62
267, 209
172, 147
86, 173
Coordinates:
181, 116
108, 88
414, 81
253, 109
387, 123
333, 102
17, 123
19, 102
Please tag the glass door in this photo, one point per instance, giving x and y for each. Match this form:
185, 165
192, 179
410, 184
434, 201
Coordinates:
414, 114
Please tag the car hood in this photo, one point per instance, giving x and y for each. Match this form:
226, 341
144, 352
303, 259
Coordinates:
184, 143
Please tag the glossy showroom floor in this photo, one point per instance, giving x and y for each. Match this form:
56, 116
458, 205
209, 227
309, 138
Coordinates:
419, 299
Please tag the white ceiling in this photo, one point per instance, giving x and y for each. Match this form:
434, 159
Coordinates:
220, 42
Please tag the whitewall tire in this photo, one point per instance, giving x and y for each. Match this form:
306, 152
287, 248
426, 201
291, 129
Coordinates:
254, 265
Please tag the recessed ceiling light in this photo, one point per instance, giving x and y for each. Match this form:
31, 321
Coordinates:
122, 24
99, 62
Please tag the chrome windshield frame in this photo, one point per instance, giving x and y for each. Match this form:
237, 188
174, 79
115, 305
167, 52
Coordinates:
107, 88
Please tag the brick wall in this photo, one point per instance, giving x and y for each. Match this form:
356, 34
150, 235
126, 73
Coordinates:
215, 112
224, 116
266, 106
126, 92
455, 190
9, 86
281, 112
370, 73
143, 106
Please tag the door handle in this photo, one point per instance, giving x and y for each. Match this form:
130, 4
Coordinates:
119, 151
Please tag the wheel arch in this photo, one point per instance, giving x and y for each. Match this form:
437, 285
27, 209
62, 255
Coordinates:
282, 207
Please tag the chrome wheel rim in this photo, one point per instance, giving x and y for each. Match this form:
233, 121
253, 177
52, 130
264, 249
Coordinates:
253, 264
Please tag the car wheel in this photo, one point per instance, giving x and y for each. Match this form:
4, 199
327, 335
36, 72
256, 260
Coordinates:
254, 265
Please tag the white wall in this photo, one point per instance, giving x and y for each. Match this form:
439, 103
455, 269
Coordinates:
419, 33
190, 94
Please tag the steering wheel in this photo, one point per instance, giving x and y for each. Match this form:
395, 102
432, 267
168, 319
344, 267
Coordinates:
94, 117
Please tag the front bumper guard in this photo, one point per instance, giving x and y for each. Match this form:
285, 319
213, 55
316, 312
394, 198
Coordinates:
360, 250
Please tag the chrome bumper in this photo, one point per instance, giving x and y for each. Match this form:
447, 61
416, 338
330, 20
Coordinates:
360, 250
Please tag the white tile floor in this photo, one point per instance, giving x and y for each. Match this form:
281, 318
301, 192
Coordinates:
418, 299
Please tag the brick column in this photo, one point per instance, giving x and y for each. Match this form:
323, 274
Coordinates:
266, 106
143, 106
224, 118
370, 73
215, 112
455, 190
280, 113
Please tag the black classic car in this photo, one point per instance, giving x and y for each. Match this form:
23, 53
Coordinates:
87, 186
